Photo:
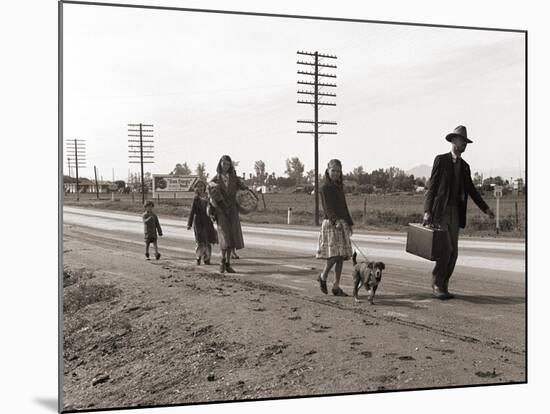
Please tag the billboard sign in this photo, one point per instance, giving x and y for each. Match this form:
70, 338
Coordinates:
173, 186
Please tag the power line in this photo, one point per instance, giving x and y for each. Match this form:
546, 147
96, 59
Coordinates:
315, 97
138, 147
76, 157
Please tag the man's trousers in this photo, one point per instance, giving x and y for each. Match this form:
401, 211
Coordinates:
444, 268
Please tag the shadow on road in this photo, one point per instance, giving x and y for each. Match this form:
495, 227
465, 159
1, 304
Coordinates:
288, 272
411, 299
491, 300
274, 257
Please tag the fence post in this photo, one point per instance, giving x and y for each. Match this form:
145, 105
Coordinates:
263, 200
498, 215
517, 217
365, 210
289, 217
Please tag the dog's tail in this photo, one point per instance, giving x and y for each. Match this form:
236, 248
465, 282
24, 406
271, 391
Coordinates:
354, 258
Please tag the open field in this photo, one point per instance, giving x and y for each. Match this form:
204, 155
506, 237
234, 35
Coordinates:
383, 212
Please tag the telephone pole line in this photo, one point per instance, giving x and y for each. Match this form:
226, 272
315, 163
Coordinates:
316, 95
96, 184
140, 148
76, 157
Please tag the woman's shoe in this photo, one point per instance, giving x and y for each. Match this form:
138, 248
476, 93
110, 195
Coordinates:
322, 284
337, 291
222, 266
229, 269
198, 261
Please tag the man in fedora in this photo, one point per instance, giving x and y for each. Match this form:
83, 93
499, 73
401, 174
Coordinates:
446, 203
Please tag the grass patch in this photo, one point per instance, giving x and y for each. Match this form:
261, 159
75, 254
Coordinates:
79, 290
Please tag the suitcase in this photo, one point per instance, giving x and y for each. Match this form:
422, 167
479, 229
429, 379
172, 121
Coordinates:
427, 242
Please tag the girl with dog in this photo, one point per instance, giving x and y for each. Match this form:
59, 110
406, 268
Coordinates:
223, 196
336, 229
205, 234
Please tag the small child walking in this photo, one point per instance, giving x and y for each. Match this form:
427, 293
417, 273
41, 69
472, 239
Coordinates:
205, 234
151, 226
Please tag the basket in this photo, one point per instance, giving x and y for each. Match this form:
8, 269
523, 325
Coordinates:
247, 201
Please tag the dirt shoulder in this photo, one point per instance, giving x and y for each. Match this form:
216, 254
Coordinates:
165, 332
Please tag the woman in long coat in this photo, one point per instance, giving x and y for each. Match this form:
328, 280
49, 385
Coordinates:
223, 194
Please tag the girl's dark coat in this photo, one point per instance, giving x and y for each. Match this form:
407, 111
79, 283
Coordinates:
333, 200
202, 225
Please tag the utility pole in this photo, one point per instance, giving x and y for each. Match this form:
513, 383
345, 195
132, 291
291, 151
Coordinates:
316, 95
141, 149
76, 151
96, 185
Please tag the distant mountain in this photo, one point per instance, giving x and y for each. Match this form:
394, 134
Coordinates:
420, 171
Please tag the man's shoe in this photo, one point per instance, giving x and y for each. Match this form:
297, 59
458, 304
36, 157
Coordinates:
198, 261
229, 269
222, 267
446, 290
206, 262
439, 293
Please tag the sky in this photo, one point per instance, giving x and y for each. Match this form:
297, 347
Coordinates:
215, 84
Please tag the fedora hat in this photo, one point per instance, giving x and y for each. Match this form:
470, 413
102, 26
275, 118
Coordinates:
459, 131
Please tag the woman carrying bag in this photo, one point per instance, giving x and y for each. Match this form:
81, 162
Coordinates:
223, 189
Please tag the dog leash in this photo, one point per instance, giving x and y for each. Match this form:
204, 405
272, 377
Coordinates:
357, 247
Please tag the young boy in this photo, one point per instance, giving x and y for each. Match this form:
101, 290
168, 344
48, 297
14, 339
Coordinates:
150, 226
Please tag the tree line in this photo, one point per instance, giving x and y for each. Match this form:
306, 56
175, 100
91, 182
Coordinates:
358, 180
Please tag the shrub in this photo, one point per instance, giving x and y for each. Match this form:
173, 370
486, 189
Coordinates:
365, 188
81, 292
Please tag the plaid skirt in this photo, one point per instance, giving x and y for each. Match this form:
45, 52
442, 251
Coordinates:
333, 241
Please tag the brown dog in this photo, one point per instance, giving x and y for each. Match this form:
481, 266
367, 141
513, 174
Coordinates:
368, 274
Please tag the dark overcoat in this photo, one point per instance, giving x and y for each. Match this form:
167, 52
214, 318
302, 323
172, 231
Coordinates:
151, 226
201, 222
227, 213
441, 183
